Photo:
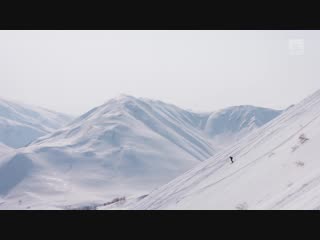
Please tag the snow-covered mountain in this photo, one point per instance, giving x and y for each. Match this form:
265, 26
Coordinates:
228, 125
125, 147
20, 123
276, 167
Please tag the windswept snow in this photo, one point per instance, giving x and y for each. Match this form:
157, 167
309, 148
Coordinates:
276, 167
123, 148
20, 123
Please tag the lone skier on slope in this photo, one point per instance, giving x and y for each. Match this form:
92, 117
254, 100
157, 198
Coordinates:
231, 158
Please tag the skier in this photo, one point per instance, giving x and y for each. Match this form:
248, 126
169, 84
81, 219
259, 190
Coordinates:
231, 158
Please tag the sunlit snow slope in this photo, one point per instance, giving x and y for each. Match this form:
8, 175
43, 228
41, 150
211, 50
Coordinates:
276, 167
20, 124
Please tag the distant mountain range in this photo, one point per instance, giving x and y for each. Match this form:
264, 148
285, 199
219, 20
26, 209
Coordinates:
125, 147
20, 123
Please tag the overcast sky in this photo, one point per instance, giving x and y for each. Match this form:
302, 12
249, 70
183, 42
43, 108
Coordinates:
74, 71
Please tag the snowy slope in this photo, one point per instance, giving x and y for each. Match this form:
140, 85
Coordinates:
276, 167
20, 124
125, 147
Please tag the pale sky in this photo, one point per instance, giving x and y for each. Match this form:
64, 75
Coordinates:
74, 71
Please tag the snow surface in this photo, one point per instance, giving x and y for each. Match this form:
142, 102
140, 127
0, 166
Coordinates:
4, 149
123, 148
20, 123
276, 167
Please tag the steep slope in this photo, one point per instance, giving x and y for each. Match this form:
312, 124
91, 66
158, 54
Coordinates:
276, 167
20, 124
126, 147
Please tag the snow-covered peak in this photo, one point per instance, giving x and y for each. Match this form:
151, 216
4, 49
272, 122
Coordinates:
122, 98
118, 116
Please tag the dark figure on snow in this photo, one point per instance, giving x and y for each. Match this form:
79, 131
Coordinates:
231, 159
